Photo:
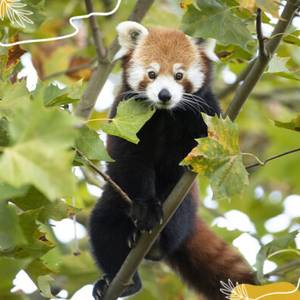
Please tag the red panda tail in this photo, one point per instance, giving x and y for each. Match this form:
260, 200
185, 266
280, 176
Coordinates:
204, 260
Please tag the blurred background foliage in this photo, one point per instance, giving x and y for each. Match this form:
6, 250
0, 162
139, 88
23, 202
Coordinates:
37, 204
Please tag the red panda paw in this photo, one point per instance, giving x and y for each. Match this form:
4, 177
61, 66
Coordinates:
100, 287
145, 215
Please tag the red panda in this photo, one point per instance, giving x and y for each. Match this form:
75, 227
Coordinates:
171, 71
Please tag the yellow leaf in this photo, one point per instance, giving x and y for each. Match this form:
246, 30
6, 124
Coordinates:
185, 3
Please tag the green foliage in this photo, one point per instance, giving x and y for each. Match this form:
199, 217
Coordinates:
218, 157
273, 250
10, 231
214, 19
38, 153
89, 143
131, 116
9, 267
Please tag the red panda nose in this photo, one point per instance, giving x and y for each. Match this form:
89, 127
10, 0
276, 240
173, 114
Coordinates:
164, 95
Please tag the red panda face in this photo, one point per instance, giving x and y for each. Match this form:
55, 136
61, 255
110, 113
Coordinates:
162, 65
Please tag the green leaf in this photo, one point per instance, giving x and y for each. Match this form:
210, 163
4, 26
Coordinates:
44, 285
38, 243
11, 234
78, 270
278, 64
273, 249
293, 124
12, 97
218, 157
53, 95
130, 118
7, 191
39, 154
34, 200
293, 38
90, 144
224, 26
9, 267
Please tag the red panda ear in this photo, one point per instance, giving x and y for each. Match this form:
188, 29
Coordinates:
129, 34
208, 47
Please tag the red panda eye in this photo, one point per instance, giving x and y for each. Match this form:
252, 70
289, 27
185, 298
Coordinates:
178, 76
151, 74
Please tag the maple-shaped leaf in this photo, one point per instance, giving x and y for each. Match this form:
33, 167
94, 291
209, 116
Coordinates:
218, 157
214, 19
130, 118
39, 151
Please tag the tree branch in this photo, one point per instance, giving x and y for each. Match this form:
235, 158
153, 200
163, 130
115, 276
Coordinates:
261, 62
178, 193
260, 37
107, 178
263, 163
104, 68
97, 35
231, 87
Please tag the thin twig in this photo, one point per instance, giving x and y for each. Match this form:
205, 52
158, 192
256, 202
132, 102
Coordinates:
107, 178
71, 69
97, 35
289, 266
263, 163
260, 36
89, 178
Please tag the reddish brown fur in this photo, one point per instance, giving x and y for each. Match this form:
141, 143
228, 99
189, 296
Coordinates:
205, 259
167, 47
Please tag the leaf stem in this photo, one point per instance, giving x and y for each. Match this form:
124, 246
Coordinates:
262, 163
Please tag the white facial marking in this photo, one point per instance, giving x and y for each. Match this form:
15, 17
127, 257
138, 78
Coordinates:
164, 82
154, 67
196, 76
135, 74
178, 68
